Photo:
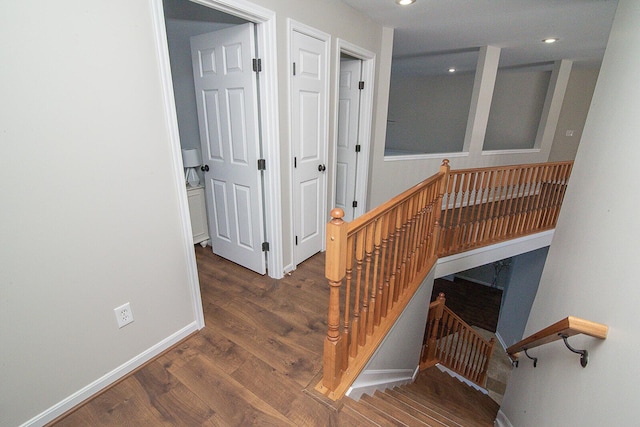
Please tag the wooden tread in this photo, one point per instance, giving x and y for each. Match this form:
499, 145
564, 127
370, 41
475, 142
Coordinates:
435, 399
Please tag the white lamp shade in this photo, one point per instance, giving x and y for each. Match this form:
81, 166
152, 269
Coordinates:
191, 157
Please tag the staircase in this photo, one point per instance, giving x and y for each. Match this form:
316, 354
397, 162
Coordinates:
434, 399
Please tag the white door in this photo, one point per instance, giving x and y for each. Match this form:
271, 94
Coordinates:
348, 136
226, 97
309, 141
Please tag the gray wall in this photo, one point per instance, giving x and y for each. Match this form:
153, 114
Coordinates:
519, 293
516, 109
91, 201
398, 356
428, 114
573, 115
93, 207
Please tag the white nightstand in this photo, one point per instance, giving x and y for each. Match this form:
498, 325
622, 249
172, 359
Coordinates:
198, 214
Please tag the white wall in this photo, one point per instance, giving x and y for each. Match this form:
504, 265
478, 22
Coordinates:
591, 266
91, 200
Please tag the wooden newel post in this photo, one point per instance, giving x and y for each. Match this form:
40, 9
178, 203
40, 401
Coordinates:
335, 268
433, 334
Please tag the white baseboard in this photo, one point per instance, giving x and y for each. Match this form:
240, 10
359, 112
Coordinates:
461, 378
502, 420
111, 377
381, 379
501, 341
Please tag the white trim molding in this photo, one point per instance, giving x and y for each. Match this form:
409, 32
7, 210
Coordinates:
382, 379
487, 254
502, 420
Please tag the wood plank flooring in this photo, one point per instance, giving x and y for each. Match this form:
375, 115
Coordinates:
261, 348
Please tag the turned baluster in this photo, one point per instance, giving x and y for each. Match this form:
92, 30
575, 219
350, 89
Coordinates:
438, 221
378, 270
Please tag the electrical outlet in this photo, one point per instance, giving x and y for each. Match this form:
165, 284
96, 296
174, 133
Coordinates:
124, 315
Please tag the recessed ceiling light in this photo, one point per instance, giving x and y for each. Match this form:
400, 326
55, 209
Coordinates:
452, 70
550, 40
405, 2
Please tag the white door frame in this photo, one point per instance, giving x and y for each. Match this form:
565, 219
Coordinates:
366, 113
299, 27
265, 21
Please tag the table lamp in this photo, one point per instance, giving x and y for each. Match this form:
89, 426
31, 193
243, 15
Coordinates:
192, 159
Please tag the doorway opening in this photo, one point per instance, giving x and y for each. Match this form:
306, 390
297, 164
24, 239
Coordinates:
354, 109
182, 19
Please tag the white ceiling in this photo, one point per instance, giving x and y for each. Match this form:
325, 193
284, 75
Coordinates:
433, 35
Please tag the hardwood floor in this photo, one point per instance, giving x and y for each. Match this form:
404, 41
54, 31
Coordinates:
261, 348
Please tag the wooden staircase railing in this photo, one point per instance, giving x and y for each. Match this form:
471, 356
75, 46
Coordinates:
484, 206
382, 257
375, 263
450, 341
563, 329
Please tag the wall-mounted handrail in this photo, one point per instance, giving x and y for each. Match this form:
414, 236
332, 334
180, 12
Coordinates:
563, 329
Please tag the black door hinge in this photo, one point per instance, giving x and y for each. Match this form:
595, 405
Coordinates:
360, 85
262, 164
358, 148
265, 246
294, 68
257, 65
295, 162
296, 240
354, 204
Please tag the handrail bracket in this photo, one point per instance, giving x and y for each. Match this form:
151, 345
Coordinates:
584, 354
535, 359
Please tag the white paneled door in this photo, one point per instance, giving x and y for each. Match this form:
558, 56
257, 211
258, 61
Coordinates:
309, 141
348, 129
226, 97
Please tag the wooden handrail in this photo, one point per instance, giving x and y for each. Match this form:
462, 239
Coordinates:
453, 343
376, 263
569, 326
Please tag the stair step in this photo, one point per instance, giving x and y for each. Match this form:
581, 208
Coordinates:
436, 399
374, 415
458, 398
438, 413
413, 409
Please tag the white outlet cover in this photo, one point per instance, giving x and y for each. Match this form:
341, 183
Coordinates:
124, 315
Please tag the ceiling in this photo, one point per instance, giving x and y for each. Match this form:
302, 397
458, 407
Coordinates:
433, 35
